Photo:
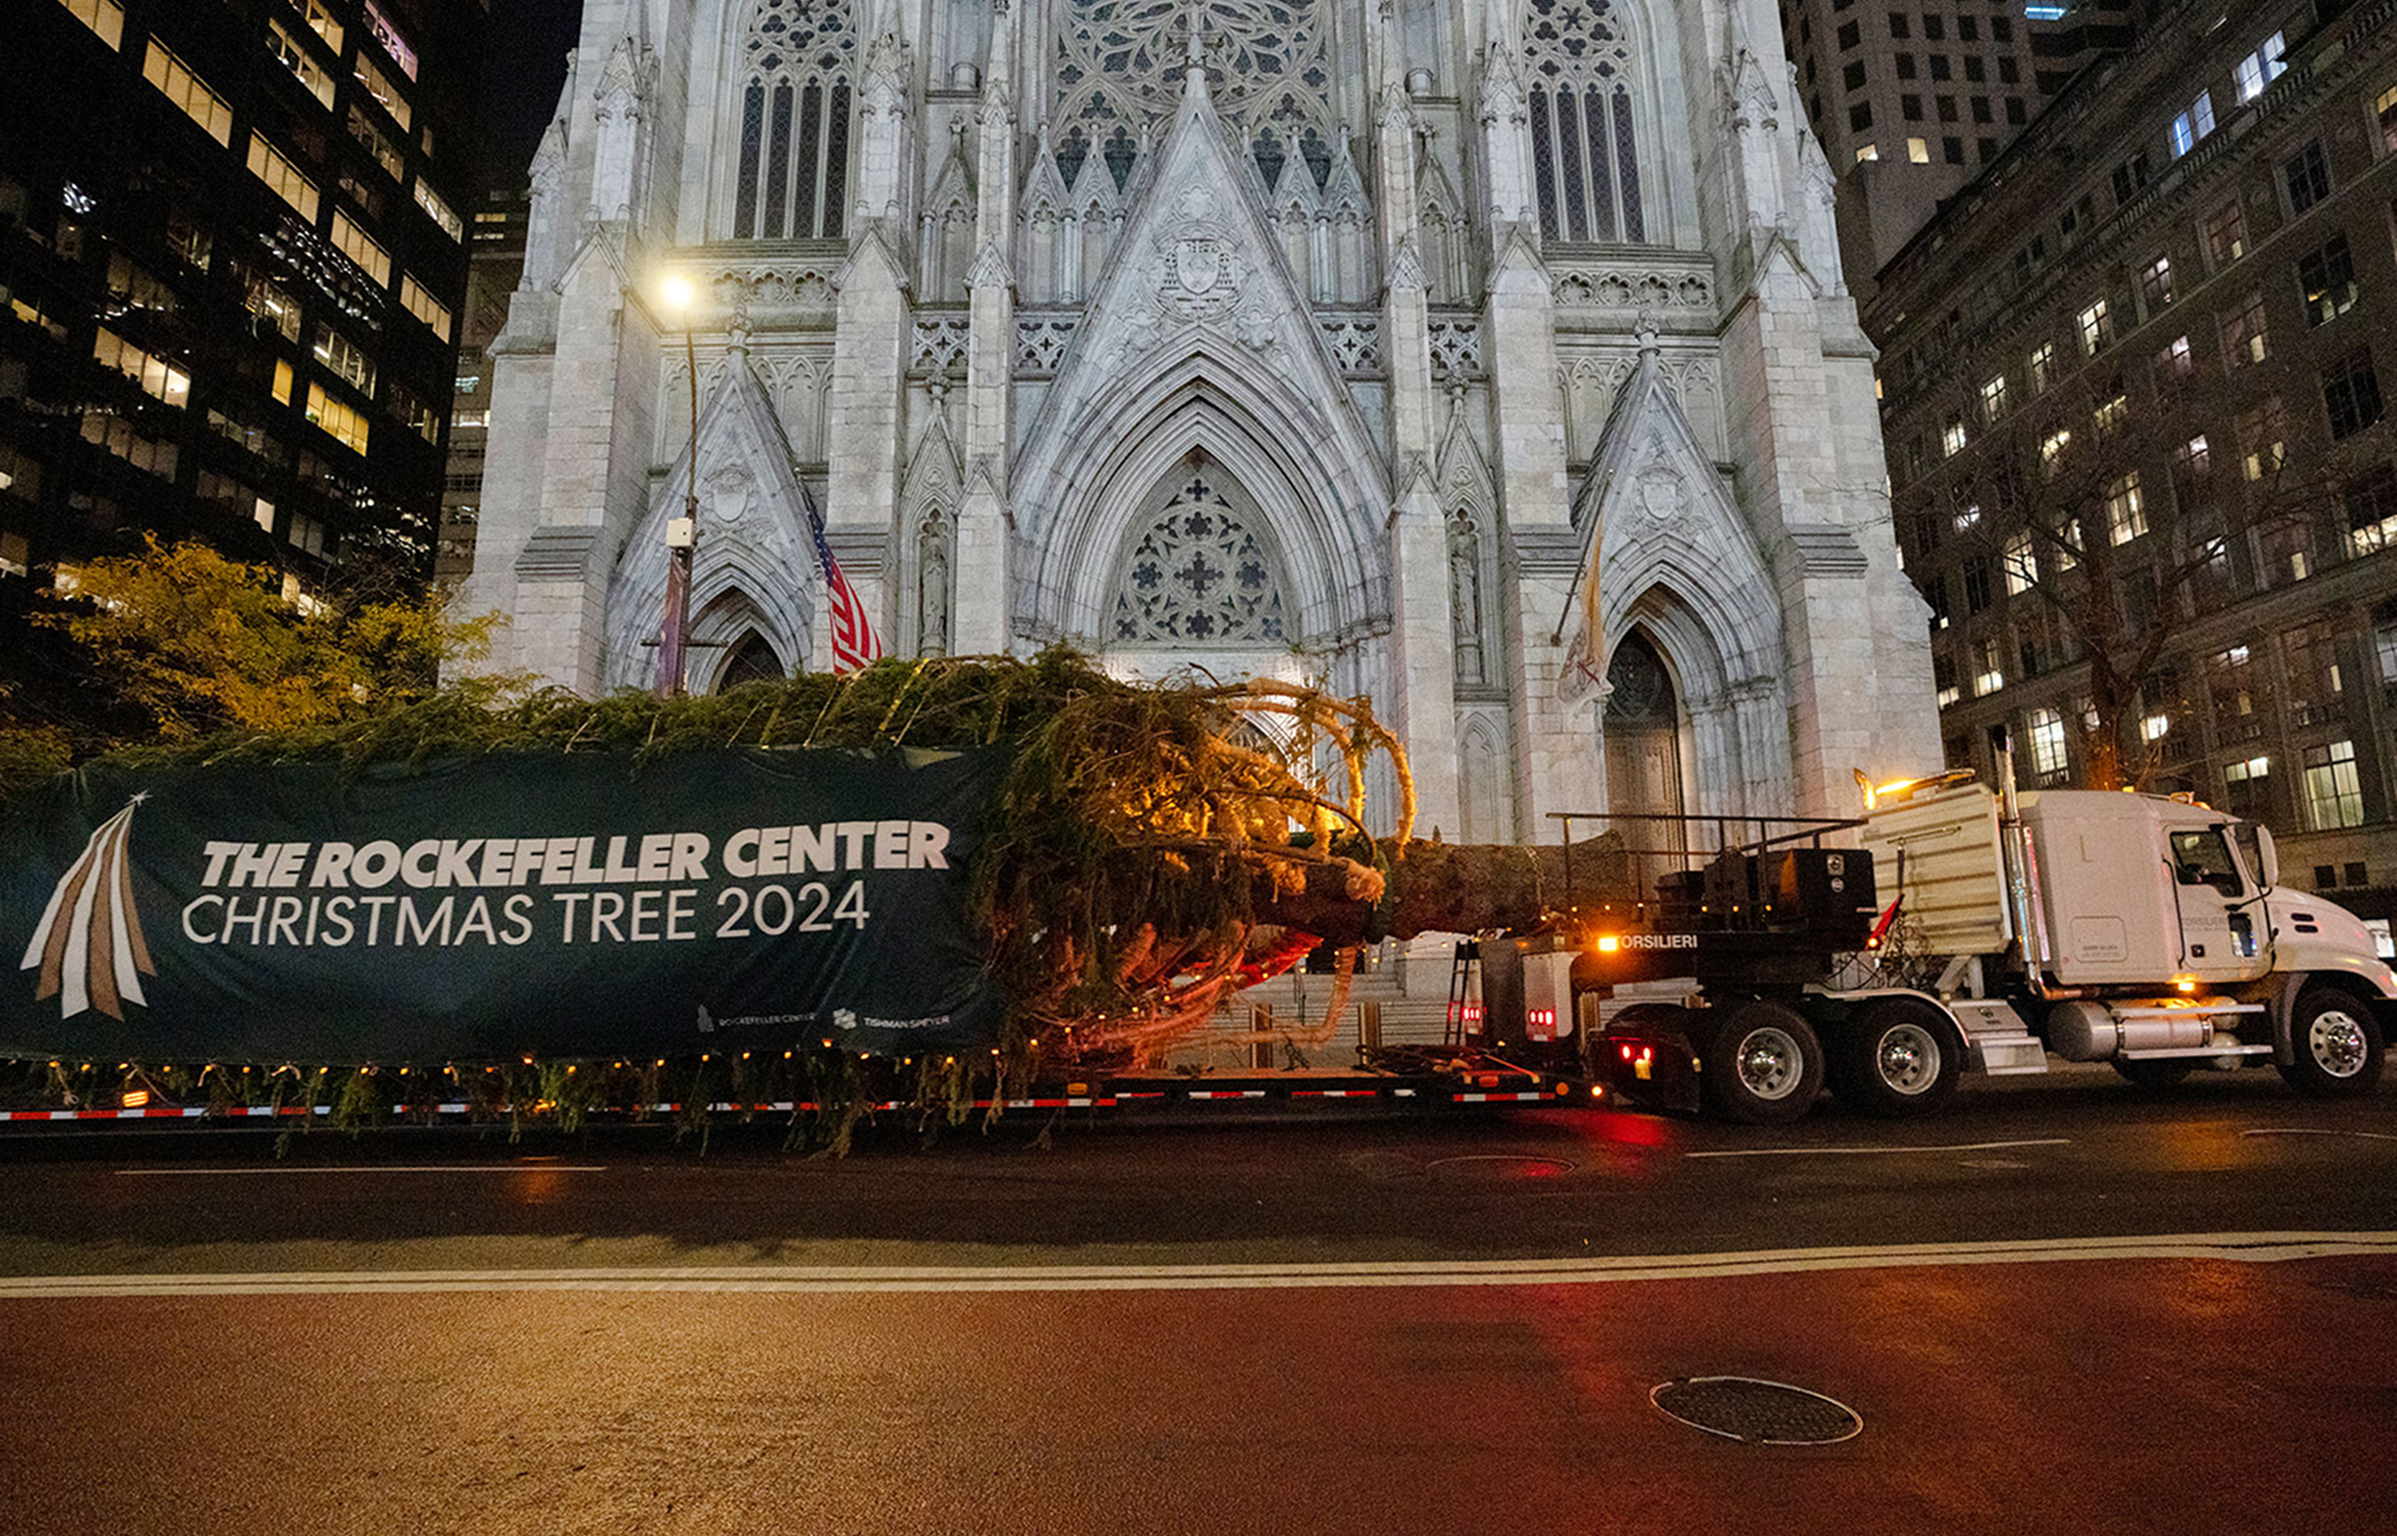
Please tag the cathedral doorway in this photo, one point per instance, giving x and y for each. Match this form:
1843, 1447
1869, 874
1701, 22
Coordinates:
752, 660
1644, 733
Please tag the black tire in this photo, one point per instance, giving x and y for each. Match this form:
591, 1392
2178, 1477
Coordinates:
2154, 1076
2338, 1045
1762, 1064
1899, 1057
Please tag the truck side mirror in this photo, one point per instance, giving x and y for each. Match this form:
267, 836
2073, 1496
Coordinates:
2267, 856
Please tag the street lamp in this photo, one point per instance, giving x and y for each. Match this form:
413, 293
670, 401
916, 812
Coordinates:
682, 533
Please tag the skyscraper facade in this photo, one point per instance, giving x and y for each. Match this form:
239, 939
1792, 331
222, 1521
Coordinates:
232, 259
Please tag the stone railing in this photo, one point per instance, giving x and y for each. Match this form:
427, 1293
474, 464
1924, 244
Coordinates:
764, 283
1456, 349
1355, 341
1041, 342
941, 344
1676, 288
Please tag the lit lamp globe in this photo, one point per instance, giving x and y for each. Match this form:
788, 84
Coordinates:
678, 294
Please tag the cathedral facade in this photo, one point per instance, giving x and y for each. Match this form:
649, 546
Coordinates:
1488, 359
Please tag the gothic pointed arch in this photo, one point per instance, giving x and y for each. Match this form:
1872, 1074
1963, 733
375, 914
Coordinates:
948, 224
1584, 138
1485, 783
753, 563
928, 502
793, 96
1666, 552
1445, 238
1647, 730
1468, 496
750, 659
1198, 340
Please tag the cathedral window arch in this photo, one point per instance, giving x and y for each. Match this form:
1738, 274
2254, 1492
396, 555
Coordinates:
797, 67
1120, 65
1201, 573
1584, 154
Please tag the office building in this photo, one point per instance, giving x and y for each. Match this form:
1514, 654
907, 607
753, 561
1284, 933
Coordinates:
2134, 382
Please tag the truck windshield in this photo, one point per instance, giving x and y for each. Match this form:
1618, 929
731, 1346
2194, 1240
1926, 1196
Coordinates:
2203, 857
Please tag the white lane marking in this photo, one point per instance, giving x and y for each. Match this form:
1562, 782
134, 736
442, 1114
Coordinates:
1967, 1146
161, 1173
2307, 1131
2238, 1247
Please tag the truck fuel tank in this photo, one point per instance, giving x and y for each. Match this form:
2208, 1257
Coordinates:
2081, 1030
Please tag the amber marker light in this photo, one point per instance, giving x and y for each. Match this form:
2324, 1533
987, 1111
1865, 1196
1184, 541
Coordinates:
1608, 943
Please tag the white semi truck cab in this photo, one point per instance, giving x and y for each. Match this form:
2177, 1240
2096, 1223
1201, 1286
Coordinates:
2145, 931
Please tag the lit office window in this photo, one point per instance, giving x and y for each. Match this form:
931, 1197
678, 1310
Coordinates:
2334, 797
302, 63
345, 425
430, 201
106, 18
379, 86
154, 374
180, 86
424, 306
270, 165
359, 247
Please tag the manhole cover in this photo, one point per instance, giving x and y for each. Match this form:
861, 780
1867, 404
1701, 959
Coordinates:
1758, 1412
1504, 1162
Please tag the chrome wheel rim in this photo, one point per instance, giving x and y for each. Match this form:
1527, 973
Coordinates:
2337, 1042
1907, 1057
1770, 1063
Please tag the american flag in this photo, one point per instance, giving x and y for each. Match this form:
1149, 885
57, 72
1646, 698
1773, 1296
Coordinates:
853, 642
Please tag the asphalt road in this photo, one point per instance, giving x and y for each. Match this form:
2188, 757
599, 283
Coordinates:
2051, 1309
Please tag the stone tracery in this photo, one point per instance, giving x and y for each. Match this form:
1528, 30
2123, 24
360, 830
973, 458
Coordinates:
1200, 574
1120, 64
798, 61
1584, 159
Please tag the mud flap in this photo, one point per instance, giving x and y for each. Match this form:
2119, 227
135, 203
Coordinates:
1653, 1068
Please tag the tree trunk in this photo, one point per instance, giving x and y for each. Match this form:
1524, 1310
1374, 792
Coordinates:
1464, 888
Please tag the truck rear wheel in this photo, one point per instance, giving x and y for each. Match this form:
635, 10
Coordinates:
1900, 1057
2338, 1045
1763, 1064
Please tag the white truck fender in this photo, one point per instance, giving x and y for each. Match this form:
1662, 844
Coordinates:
2283, 1003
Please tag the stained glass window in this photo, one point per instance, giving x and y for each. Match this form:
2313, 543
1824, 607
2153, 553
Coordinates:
1583, 155
1200, 575
1121, 62
794, 165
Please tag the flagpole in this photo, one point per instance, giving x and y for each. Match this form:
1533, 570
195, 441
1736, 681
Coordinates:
682, 538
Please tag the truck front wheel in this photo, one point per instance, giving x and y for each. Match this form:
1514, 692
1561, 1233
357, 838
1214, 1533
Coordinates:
2338, 1045
1899, 1057
1763, 1065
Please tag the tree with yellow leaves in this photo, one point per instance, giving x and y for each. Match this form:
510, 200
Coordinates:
198, 643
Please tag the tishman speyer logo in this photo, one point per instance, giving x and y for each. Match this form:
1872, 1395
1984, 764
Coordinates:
88, 946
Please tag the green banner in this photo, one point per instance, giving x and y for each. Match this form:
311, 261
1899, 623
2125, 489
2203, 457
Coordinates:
494, 906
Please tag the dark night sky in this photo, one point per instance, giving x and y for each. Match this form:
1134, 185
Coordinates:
529, 39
